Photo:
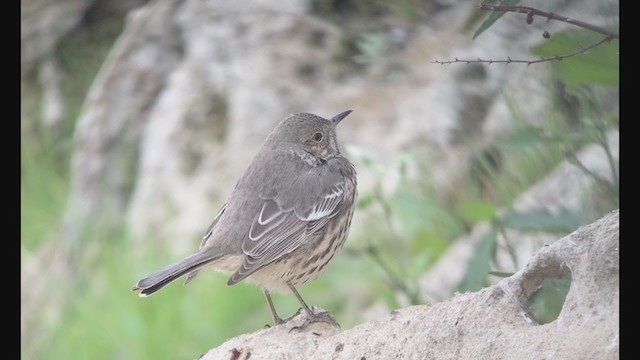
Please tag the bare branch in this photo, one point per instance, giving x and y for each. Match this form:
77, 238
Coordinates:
532, 12
528, 62
573, 159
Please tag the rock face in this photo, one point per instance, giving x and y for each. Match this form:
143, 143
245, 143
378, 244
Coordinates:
116, 112
192, 88
493, 323
42, 23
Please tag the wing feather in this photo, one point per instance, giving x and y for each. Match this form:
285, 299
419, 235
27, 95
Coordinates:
282, 226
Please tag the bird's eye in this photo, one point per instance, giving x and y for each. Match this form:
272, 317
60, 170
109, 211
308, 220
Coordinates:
317, 137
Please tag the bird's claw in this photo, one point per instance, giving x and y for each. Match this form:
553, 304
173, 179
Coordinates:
324, 317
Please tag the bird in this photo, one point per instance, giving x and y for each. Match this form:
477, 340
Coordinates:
287, 217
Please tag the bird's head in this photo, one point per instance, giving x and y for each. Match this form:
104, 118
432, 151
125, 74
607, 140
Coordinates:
310, 133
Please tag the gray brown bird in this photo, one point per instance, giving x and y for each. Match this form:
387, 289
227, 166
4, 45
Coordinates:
287, 217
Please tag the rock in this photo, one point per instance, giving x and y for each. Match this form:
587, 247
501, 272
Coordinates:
493, 323
42, 24
115, 113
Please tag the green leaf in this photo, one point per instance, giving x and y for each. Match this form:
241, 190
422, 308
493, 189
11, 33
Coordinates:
365, 200
426, 248
523, 137
598, 65
501, 274
562, 221
546, 303
476, 211
476, 276
493, 17
371, 46
418, 216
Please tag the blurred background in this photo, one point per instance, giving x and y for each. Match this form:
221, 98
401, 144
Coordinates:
138, 117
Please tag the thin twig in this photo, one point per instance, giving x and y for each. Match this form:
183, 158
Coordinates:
604, 142
510, 250
378, 193
528, 62
532, 11
571, 157
396, 281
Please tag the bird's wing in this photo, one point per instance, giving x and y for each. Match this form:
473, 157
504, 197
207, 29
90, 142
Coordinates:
291, 217
213, 224
205, 238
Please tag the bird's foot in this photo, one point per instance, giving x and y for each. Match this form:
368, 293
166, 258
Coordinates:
279, 321
323, 316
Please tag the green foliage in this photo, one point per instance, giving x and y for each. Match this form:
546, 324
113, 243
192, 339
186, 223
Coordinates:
493, 17
370, 47
420, 224
579, 118
105, 319
418, 217
546, 303
475, 211
45, 151
408, 10
524, 136
534, 220
43, 194
475, 277
109, 321
599, 65
411, 230
404, 9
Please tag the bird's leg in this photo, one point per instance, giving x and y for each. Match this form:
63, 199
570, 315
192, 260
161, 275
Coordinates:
276, 319
311, 316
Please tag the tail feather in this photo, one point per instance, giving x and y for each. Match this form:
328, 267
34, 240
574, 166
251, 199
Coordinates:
160, 279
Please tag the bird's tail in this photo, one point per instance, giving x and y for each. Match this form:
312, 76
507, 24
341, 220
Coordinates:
160, 279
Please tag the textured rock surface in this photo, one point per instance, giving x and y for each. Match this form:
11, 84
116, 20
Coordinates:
116, 111
492, 323
42, 23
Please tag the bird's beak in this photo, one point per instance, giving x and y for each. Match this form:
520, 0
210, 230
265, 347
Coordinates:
336, 119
